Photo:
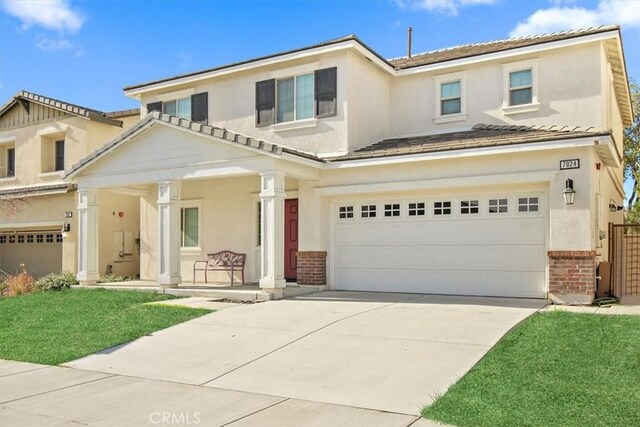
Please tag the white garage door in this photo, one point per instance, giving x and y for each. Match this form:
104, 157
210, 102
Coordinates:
40, 252
490, 245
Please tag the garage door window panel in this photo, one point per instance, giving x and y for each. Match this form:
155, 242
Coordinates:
498, 206
392, 210
345, 212
469, 207
528, 204
442, 208
417, 209
368, 211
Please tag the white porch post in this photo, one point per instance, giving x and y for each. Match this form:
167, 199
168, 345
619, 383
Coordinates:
272, 196
87, 236
169, 233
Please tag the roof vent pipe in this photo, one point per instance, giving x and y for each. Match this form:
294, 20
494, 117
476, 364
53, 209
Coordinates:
409, 31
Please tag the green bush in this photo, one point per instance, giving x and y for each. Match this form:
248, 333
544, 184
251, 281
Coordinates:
112, 278
56, 281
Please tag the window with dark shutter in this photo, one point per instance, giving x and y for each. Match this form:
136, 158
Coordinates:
265, 102
326, 92
200, 107
154, 106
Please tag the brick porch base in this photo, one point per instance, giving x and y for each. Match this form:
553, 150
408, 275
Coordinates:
312, 268
572, 276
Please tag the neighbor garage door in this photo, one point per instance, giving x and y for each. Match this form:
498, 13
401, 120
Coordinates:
491, 245
40, 252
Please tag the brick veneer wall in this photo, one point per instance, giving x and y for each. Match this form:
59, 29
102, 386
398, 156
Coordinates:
572, 272
312, 268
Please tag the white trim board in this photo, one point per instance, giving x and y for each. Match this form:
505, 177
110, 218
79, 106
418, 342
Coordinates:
430, 184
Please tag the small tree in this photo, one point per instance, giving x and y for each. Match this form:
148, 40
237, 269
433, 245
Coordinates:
631, 156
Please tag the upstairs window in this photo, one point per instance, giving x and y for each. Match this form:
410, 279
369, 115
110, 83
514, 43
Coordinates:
296, 98
178, 107
59, 156
194, 108
450, 98
11, 162
521, 87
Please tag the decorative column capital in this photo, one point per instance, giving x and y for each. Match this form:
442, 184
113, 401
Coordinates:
169, 191
272, 184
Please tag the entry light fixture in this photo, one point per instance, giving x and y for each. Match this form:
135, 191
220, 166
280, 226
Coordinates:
569, 193
613, 207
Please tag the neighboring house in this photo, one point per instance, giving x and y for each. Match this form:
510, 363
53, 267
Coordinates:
443, 172
39, 138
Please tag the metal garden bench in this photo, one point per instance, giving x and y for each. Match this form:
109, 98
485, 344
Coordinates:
221, 261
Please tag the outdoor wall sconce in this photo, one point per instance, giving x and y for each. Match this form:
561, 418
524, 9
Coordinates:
66, 227
613, 207
569, 193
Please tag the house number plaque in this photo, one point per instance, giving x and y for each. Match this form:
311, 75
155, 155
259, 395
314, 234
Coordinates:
570, 164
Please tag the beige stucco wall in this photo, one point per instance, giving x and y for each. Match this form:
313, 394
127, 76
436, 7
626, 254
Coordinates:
110, 207
372, 105
232, 104
569, 91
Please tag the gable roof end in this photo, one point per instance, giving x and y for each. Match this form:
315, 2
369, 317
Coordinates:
186, 125
67, 107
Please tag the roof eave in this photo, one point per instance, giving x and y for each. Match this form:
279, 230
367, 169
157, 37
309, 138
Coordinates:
352, 42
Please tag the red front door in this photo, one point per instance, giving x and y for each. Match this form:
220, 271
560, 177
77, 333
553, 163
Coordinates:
290, 238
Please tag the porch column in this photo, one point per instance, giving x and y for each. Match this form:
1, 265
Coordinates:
272, 196
87, 236
169, 233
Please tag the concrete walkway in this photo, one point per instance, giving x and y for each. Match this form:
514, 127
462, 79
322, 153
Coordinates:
330, 358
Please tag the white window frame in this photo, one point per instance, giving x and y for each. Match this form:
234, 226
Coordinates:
439, 211
188, 98
470, 207
507, 69
498, 205
369, 211
346, 212
195, 250
417, 209
394, 207
527, 204
449, 78
295, 99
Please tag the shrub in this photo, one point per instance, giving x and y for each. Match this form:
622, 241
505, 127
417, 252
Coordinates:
112, 278
20, 284
56, 281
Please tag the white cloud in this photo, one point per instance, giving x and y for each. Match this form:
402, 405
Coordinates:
623, 12
50, 14
48, 45
445, 7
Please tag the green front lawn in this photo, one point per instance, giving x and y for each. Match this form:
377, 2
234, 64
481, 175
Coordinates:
56, 327
557, 369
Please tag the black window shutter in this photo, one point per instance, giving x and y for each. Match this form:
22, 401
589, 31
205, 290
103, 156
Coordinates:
154, 106
266, 102
326, 92
200, 107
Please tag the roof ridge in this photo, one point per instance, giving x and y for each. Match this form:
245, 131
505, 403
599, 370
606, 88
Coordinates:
510, 39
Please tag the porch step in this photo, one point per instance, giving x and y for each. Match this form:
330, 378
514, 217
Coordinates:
231, 294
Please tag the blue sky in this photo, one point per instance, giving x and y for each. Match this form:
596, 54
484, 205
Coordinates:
86, 51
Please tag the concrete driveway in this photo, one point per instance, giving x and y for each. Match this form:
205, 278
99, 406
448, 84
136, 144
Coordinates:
389, 352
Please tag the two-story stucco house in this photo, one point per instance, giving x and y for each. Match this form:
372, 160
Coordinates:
39, 138
484, 169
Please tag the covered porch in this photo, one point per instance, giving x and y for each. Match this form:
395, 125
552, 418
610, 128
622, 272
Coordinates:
201, 190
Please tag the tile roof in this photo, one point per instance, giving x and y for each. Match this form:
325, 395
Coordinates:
474, 49
36, 190
426, 58
67, 107
206, 130
480, 136
123, 113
